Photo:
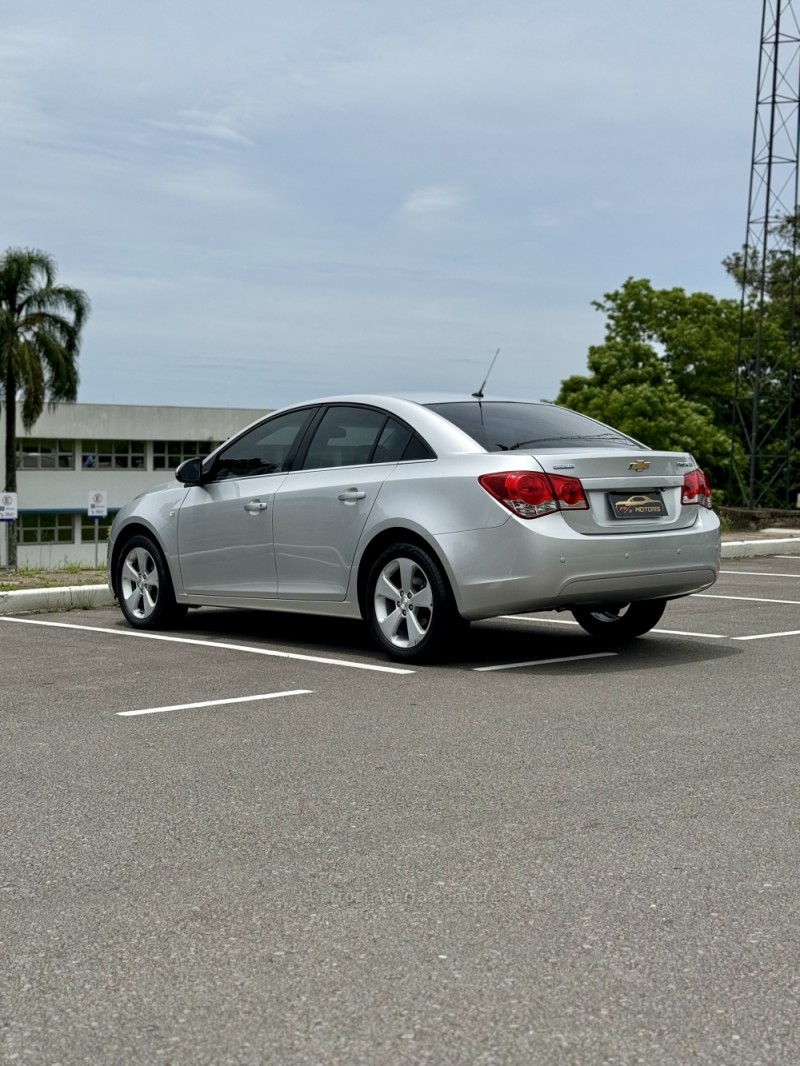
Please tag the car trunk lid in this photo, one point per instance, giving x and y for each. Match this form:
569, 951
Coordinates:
628, 490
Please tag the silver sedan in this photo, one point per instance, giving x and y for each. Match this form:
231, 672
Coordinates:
420, 515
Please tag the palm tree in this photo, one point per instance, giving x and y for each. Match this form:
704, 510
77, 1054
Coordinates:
40, 334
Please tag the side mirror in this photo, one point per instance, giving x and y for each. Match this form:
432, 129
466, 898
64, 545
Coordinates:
190, 472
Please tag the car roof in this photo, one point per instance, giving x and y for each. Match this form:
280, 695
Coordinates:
440, 433
421, 398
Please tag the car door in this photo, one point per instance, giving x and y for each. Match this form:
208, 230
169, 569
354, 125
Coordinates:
225, 543
321, 507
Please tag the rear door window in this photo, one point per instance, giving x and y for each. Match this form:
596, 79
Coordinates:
345, 436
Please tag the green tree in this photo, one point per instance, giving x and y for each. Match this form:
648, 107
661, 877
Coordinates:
768, 376
696, 335
665, 373
40, 335
781, 274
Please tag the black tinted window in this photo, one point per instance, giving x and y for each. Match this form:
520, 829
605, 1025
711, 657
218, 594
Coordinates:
500, 427
263, 450
345, 436
398, 442
417, 449
392, 442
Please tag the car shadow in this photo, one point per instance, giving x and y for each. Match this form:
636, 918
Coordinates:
299, 633
502, 641
490, 643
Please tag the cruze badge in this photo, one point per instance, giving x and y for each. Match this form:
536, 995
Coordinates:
640, 464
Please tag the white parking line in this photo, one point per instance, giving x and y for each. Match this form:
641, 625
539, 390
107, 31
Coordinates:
217, 703
566, 622
687, 633
545, 662
756, 573
750, 599
665, 632
766, 636
214, 644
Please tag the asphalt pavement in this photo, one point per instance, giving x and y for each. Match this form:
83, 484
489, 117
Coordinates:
255, 840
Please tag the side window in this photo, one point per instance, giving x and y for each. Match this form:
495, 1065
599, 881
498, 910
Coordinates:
417, 449
345, 436
264, 450
392, 442
399, 442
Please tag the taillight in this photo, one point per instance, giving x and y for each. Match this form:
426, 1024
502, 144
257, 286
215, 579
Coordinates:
569, 493
696, 489
529, 494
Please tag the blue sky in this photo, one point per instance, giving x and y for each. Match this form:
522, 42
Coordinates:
268, 202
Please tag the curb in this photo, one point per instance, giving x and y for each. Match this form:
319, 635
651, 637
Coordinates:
72, 597
747, 549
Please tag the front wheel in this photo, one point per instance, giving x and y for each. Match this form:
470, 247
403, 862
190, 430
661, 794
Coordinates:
144, 586
622, 621
409, 605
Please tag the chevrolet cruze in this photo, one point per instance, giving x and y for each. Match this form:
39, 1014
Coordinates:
419, 516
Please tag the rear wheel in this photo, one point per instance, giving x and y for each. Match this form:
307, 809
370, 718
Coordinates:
409, 605
620, 621
144, 586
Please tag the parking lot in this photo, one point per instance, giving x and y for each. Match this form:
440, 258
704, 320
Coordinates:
255, 840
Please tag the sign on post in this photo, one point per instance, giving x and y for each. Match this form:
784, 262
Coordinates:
8, 513
8, 507
98, 508
98, 504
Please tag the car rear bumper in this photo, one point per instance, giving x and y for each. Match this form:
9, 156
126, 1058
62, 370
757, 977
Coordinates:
545, 565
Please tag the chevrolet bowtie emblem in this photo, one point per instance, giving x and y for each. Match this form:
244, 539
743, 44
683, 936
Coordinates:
640, 464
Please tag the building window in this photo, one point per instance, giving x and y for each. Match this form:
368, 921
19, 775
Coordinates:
113, 455
36, 453
88, 526
167, 454
46, 529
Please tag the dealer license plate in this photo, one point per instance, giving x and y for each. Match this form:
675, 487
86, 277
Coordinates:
637, 505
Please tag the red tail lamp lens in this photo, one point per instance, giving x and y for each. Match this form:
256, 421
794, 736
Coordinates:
569, 493
696, 489
530, 494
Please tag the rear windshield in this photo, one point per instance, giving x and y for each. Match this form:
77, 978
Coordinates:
504, 427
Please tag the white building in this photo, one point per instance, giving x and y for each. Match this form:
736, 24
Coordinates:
75, 449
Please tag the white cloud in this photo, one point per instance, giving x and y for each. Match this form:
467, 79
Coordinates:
214, 125
434, 200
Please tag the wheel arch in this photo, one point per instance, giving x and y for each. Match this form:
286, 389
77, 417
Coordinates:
385, 539
133, 529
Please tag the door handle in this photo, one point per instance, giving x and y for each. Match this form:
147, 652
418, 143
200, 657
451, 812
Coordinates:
352, 494
254, 506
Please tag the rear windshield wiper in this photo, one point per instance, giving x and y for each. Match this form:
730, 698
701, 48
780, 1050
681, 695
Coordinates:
570, 436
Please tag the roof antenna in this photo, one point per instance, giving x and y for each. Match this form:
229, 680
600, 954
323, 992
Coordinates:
479, 394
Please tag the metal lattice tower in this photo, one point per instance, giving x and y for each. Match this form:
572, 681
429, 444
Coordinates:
764, 402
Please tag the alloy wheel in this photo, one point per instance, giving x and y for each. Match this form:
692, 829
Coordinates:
403, 603
140, 584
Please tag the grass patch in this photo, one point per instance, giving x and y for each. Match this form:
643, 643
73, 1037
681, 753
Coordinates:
33, 577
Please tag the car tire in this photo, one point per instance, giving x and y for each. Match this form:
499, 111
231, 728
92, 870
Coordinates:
620, 622
144, 586
410, 607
